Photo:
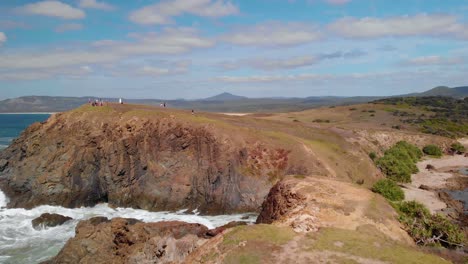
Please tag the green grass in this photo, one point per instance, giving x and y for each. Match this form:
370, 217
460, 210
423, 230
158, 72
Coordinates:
243, 258
368, 242
260, 233
389, 189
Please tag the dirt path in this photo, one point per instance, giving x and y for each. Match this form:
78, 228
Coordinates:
434, 179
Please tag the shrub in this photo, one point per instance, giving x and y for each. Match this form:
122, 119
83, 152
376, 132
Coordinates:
457, 147
372, 155
389, 189
399, 162
427, 229
432, 150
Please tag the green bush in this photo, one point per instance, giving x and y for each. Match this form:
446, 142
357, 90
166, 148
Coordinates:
399, 162
432, 150
427, 229
457, 147
372, 155
389, 189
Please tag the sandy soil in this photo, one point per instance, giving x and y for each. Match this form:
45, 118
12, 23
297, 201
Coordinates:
464, 142
435, 179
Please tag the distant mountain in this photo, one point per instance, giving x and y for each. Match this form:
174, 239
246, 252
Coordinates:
224, 102
457, 92
446, 91
225, 97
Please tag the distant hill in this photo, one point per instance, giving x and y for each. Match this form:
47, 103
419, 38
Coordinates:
457, 92
224, 102
225, 97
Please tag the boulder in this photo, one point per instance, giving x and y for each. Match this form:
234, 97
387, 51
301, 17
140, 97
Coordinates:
120, 240
49, 220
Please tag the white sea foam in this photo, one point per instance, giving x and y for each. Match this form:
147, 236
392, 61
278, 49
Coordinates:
21, 243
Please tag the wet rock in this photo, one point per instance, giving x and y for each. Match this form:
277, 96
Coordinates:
49, 220
120, 240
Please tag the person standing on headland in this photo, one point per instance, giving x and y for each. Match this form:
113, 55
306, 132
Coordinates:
120, 101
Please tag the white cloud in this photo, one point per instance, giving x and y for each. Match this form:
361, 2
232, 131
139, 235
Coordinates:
417, 25
164, 69
273, 34
68, 27
162, 12
96, 5
3, 38
434, 60
169, 41
53, 9
270, 78
269, 64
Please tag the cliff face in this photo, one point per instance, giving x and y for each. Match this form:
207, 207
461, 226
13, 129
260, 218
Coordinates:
142, 158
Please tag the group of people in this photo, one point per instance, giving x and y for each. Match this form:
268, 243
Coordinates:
97, 102
100, 102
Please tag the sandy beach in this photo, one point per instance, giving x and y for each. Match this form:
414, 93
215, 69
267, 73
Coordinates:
433, 179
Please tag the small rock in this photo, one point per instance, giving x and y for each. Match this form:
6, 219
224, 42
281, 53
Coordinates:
425, 187
49, 220
430, 167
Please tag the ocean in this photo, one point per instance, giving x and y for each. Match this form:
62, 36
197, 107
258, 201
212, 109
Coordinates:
11, 125
21, 243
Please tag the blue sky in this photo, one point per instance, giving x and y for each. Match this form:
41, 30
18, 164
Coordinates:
198, 48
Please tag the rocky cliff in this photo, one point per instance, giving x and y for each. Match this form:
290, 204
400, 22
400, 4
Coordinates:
149, 158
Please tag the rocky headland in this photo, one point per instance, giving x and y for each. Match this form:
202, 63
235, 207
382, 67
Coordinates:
158, 159
309, 184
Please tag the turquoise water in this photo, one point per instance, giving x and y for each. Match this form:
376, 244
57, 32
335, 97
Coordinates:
11, 125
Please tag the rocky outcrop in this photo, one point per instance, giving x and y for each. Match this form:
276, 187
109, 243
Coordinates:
306, 205
136, 156
280, 202
49, 220
99, 240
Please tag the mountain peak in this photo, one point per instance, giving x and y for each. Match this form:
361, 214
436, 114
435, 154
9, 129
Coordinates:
225, 96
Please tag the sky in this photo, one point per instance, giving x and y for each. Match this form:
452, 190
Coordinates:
192, 49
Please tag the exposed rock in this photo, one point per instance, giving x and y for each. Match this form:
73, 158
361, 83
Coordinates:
49, 220
430, 167
280, 202
309, 204
3, 164
136, 156
120, 240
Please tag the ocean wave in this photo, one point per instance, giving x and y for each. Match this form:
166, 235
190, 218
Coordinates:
18, 235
